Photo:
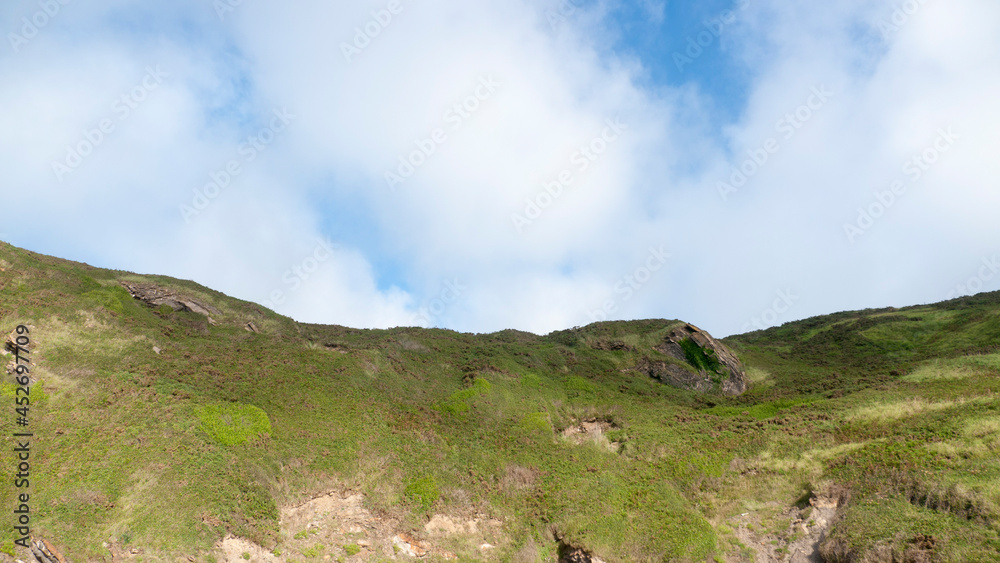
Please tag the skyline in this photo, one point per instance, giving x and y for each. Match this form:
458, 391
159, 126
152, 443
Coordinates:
534, 166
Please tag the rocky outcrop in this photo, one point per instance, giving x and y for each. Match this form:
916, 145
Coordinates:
572, 554
155, 296
675, 375
709, 363
45, 552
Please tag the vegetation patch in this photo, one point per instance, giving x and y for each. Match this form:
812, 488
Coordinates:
422, 492
759, 411
577, 386
459, 402
230, 424
700, 358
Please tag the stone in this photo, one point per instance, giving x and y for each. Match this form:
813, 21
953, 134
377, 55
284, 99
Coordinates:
155, 296
692, 377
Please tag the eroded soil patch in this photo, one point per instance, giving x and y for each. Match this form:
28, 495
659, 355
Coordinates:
338, 527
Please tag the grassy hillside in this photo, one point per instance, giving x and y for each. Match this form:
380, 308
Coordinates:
911, 421
161, 432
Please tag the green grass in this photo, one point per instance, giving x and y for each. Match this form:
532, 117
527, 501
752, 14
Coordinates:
314, 551
230, 424
422, 492
173, 451
699, 357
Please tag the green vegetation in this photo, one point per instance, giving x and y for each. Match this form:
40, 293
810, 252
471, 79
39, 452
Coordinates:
314, 551
699, 357
8, 548
171, 451
231, 424
422, 492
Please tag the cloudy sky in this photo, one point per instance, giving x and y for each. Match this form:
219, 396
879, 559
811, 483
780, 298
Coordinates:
506, 164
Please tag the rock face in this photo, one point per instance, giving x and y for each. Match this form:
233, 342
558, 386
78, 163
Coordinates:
570, 554
45, 552
713, 363
154, 296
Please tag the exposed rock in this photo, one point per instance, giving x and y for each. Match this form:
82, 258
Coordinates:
611, 345
12, 348
155, 296
813, 528
675, 375
10, 343
730, 375
45, 552
409, 546
570, 554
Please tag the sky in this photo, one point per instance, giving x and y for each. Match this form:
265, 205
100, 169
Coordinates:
502, 164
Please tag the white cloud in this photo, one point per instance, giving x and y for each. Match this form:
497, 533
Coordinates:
654, 184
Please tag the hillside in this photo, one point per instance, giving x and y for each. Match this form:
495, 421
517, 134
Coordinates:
171, 422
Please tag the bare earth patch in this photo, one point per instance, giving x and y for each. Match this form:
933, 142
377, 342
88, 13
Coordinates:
334, 527
800, 544
233, 550
591, 431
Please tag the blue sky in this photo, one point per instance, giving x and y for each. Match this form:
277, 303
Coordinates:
660, 36
733, 164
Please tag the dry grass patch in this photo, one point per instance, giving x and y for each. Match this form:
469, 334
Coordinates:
906, 408
812, 461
